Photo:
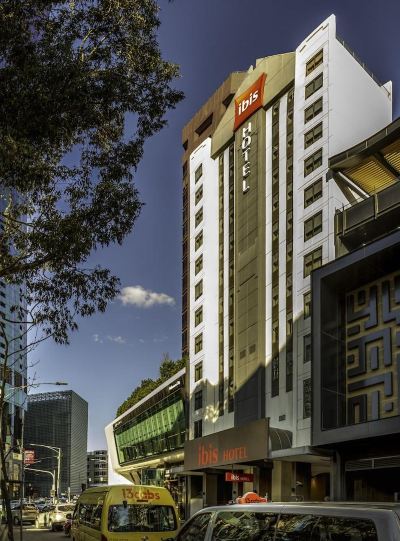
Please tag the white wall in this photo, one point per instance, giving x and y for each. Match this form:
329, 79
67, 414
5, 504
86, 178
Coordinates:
209, 275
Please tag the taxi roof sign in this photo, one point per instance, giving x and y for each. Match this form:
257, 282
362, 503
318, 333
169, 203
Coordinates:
251, 497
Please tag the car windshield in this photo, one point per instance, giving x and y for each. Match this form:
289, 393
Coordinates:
66, 508
141, 518
29, 508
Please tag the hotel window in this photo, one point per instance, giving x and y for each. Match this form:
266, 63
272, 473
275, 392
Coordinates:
314, 85
289, 251
307, 304
315, 61
275, 376
313, 110
198, 173
198, 316
198, 264
275, 332
198, 290
312, 193
313, 135
275, 230
198, 240
275, 295
198, 429
313, 162
198, 400
199, 217
307, 398
312, 261
307, 348
198, 343
275, 262
313, 226
199, 195
198, 371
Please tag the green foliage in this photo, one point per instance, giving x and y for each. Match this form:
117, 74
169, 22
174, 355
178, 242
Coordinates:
83, 86
168, 368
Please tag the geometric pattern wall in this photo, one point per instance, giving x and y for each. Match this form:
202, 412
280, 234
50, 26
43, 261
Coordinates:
373, 350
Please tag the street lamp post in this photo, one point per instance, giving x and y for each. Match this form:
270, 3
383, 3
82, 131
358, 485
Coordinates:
58, 451
53, 476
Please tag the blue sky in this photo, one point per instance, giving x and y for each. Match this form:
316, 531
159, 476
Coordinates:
113, 351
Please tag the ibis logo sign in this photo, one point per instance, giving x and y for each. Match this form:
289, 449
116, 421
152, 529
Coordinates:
250, 101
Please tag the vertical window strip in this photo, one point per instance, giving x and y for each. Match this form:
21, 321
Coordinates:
289, 240
275, 250
231, 374
221, 287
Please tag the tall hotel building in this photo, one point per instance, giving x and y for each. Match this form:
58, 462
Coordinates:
258, 218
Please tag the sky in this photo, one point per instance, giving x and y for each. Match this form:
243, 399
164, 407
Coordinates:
112, 352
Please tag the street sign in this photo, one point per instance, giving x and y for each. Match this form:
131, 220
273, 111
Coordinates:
29, 456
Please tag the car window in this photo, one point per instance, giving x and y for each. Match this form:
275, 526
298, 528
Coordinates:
244, 526
195, 529
347, 529
296, 527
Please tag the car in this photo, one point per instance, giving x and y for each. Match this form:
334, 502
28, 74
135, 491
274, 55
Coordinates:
58, 516
29, 513
330, 521
42, 518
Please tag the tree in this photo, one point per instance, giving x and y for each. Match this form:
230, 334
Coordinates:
168, 368
82, 87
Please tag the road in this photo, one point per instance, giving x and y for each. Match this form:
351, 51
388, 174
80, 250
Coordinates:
32, 534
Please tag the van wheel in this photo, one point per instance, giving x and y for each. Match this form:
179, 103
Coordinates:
51, 526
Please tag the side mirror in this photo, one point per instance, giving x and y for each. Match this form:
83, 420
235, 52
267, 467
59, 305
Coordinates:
68, 516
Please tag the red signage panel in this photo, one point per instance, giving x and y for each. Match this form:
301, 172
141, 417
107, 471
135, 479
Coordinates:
239, 477
29, 456
250, 101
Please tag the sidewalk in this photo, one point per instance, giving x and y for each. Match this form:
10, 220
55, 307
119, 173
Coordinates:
33, 534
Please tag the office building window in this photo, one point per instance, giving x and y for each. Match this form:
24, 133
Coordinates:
312, 261
313, 162
198, 371
307, 398
307, 304
275, 295
198, 241
198, 429
198, 173
307, 348
198, 343
313, 110
199, 217
198, 290
315, 61
312, 193
198, 400
313, 226
198, 264
198, 316
314, 85
198, 196
275, 376
313, 135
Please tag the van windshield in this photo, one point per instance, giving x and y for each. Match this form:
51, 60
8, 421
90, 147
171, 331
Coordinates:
141, 518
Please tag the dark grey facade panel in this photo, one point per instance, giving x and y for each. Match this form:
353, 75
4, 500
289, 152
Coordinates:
341, 381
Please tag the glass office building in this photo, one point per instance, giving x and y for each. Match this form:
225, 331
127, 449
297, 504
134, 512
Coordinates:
57, 419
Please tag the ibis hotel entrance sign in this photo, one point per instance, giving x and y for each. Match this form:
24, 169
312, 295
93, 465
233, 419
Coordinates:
239, 445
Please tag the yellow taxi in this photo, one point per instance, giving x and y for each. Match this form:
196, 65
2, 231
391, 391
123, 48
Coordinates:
125, 513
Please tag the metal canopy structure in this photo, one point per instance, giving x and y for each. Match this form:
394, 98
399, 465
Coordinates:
373, 164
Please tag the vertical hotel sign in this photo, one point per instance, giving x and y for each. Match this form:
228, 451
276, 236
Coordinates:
245, 106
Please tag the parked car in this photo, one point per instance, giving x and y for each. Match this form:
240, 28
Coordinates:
42, 518
29, 513
58, 516
331, 521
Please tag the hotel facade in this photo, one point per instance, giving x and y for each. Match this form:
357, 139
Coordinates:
258, 218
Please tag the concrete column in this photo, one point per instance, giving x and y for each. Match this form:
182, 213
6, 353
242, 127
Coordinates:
338, 479
281, 481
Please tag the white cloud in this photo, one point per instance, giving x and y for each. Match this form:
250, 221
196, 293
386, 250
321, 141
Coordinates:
116, 339
144, 298
96, 338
